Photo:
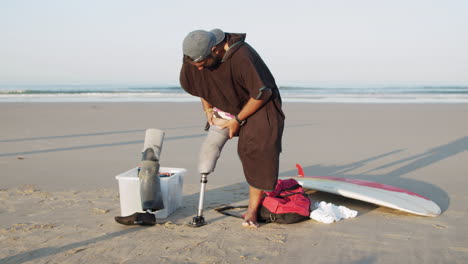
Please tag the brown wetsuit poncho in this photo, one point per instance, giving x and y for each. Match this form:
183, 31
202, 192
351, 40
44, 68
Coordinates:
243, 75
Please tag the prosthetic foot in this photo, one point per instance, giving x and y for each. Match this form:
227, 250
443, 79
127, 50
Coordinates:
199, 220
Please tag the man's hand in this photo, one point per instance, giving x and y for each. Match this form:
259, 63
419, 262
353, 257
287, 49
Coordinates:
233, 127
249, 109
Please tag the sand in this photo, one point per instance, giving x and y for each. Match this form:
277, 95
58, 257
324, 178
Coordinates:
59, 195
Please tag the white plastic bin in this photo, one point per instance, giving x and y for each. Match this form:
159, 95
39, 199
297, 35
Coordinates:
171, 187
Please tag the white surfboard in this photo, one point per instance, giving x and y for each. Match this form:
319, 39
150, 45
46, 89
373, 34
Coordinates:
372, 192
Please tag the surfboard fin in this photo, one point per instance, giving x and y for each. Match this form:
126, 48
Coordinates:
300, 171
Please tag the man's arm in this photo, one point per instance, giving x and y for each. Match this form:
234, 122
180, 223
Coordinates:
249, 109
208, 109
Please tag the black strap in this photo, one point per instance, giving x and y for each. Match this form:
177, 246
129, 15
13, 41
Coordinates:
223, 210
295, 186
289, 194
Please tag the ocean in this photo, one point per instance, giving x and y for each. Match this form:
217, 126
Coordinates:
291, 94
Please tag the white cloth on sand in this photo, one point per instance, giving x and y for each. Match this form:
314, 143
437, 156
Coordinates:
328, 213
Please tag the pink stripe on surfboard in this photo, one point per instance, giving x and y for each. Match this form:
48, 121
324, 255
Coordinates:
362, 183
300, 172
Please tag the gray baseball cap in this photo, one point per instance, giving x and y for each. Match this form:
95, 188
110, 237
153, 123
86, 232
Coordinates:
197, 44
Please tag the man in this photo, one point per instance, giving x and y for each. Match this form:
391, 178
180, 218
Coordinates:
228, 74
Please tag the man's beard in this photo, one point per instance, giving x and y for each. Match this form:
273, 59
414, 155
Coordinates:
215, 62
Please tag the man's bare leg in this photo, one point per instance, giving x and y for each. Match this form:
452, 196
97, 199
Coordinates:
250, 219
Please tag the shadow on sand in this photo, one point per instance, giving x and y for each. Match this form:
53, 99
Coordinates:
95, 146
395, 176
92, 134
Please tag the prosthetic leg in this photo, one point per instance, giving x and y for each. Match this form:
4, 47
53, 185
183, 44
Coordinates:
209, 154
150, 187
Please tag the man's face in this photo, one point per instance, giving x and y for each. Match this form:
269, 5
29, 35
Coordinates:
211, 62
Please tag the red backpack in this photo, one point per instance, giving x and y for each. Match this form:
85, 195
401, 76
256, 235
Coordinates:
287, 204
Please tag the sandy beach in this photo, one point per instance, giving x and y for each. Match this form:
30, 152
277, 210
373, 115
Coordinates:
59, 195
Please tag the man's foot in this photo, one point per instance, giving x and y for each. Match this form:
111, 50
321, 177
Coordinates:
144, 219
250, 217
249, 223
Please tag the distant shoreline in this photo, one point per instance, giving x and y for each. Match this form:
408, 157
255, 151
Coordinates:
291, 94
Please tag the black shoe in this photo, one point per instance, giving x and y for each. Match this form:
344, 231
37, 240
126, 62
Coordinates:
144, 219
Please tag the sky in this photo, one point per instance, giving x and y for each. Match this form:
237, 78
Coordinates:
311, 42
